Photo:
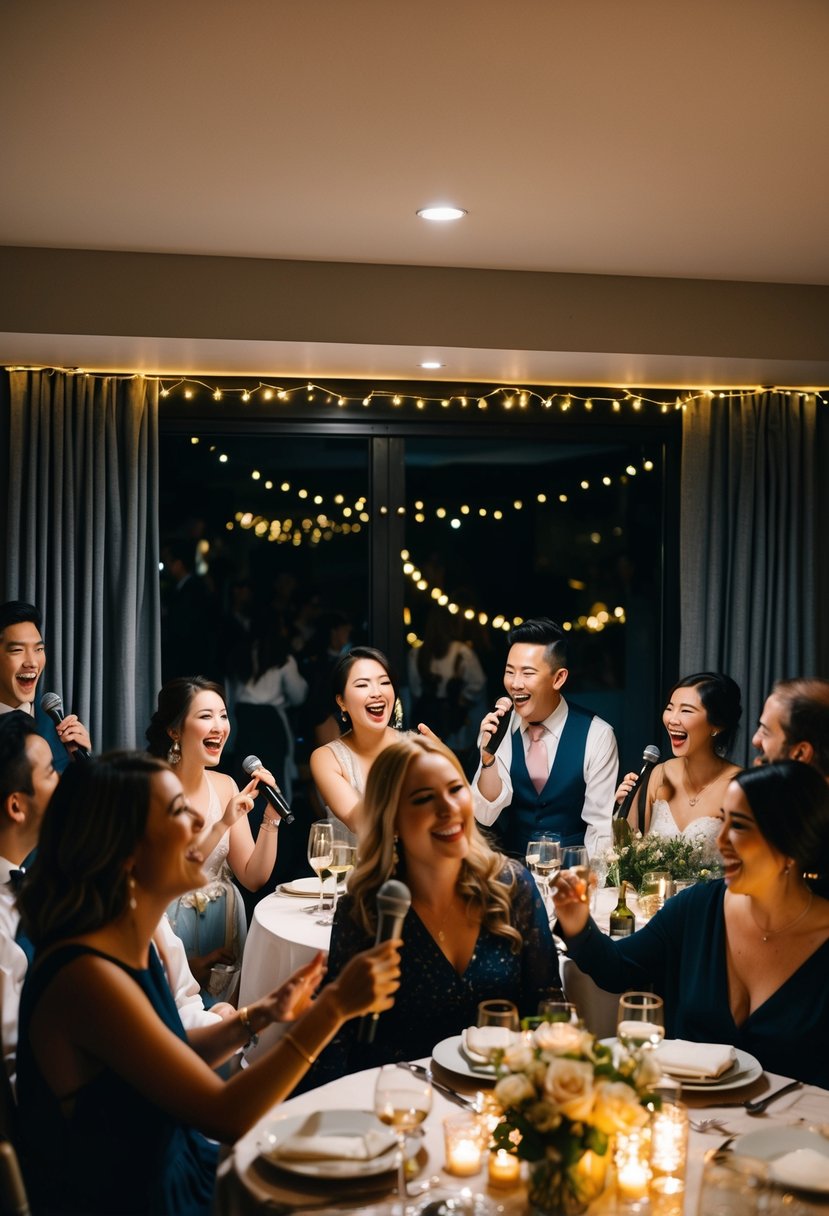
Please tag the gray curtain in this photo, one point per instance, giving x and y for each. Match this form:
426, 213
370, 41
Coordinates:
79, 523
753, 536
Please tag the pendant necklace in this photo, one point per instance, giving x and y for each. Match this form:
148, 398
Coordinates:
693, 801
767, 933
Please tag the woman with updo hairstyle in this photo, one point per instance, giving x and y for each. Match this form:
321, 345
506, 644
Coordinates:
684, 794
741, 960
115, 1099
366, 698
190, 729
476, 929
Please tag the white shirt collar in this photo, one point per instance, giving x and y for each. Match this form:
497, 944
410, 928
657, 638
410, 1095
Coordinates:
27, 707
554, 723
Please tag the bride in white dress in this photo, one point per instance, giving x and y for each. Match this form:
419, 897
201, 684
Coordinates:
685, 793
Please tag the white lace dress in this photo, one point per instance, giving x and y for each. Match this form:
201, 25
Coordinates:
213, 916
704, 830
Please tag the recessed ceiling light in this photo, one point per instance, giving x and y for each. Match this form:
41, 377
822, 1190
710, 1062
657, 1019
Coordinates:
441, 214
431, 364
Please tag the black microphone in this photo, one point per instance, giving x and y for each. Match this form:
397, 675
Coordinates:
650, 760
274, 796
393, 902
494, 742
52, 705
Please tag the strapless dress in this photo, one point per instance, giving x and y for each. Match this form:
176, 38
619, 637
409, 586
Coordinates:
705, 830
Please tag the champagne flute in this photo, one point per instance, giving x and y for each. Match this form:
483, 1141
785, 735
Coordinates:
496, 1030
574, 857
640, 1021
532, 854
401, 1101
320, 848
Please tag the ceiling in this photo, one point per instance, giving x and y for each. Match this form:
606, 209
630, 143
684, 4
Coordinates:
682, 141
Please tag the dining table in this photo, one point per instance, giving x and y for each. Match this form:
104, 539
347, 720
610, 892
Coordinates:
247, 1182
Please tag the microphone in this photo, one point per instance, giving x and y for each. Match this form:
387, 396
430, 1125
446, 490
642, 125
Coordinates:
494, 741
52, 705
393, 902
650, 760
274, 795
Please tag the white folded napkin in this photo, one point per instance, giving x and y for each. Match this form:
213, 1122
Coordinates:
698, 1061
333, 1148
804, 1168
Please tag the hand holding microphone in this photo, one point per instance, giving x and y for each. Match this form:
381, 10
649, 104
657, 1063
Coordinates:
71, 731
495, 725
393, 902
252, 764
632, 783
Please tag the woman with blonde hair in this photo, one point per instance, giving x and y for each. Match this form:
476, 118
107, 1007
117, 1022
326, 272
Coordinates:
477, 928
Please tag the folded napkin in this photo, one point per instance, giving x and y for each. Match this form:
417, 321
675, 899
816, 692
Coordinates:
334, 1148
696, 1061
474, 1059
804, 1168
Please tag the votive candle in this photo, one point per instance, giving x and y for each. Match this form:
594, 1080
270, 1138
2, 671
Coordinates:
504, 1169
463, 1145
633, 1173
669, 1148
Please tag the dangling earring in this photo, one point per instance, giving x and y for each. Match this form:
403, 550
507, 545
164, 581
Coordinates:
397, 715
133, 902
174, 754
395, 856
343, 717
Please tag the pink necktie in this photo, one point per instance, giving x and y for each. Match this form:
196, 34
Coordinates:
537, 766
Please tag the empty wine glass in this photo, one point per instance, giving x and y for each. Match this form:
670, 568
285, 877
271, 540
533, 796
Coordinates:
402, 1101
320, 849
641, 1021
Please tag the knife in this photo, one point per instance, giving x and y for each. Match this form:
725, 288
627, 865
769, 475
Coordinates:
458, 1099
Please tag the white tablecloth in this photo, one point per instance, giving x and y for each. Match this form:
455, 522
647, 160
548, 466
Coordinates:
246, 1187
597, 1007
282, 936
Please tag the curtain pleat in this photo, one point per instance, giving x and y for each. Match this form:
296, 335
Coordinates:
752, 495
81, 539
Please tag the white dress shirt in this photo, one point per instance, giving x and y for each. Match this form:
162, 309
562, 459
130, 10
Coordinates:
182, 982
13, 968
601, 767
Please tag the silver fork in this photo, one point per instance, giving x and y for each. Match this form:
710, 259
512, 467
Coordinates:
710, 1125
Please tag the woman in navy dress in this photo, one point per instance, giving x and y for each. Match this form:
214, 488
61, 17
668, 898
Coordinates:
477, 927
741, 961
114, 1101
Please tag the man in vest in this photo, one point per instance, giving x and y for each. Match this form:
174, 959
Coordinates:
555, 770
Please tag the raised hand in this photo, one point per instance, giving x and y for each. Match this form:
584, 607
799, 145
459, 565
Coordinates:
291, 999
625, 786
367, 984
241, 803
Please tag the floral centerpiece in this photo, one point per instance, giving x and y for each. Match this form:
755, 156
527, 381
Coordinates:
633, 855
562, 1098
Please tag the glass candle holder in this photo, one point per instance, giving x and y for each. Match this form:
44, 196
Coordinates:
489, 1115
669, 1148
462, 1138
504, 1169
633, 1171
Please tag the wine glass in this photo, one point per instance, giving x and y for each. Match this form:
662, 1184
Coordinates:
544, 859
401, 1101
599, 867
496, 1030
320, 849
655, 888
343, 857
574, 857
640, 1021
532, 854
559, 1011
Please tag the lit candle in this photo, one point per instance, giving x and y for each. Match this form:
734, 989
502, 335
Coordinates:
504, 1168
632, 1170
463, 1145
669, 1146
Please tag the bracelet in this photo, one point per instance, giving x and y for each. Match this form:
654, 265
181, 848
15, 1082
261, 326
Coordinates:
244, 1018
298, 1048
269, 825
492, 761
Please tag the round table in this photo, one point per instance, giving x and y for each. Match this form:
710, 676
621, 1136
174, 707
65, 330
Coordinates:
282, 937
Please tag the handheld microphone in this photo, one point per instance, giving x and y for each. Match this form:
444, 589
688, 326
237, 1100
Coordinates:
650, 760
274, 796
494, 742
393, 902
52, 705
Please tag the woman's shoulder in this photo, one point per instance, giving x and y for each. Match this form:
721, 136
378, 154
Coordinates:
222, 785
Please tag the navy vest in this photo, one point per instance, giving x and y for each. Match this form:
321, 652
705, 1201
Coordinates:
558, 808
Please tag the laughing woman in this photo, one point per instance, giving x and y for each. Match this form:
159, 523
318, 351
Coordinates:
190, 729
743, 960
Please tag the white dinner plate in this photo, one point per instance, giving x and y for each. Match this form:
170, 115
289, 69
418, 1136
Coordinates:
774, 1144
330, 1123
307, 888
449, 1054
744, 1070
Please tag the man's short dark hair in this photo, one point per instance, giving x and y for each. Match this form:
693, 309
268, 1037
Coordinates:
16, 612
806, 716
15, 769
541, 631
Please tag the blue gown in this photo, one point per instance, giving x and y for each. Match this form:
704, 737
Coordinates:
434, 1002
682, 953
115, 1151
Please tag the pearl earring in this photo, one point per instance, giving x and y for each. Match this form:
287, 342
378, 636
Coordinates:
133, 902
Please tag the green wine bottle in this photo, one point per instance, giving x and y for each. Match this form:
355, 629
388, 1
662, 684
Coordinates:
622, 920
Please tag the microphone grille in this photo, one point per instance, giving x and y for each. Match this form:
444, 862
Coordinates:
250, 764
50, 701
651, 754
394, 897
504, 702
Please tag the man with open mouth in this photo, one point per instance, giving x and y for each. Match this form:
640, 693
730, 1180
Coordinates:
555, 769
22, 659
794, 724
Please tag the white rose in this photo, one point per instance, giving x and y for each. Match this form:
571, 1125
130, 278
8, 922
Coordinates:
519, 1056
514, 1089
569, 1083
563, 1038
617, 1108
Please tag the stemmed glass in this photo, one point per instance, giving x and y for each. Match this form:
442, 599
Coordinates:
574, 857
543, 858
342, 861
497, 1028
640, 1021
401, 1101
320, 850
